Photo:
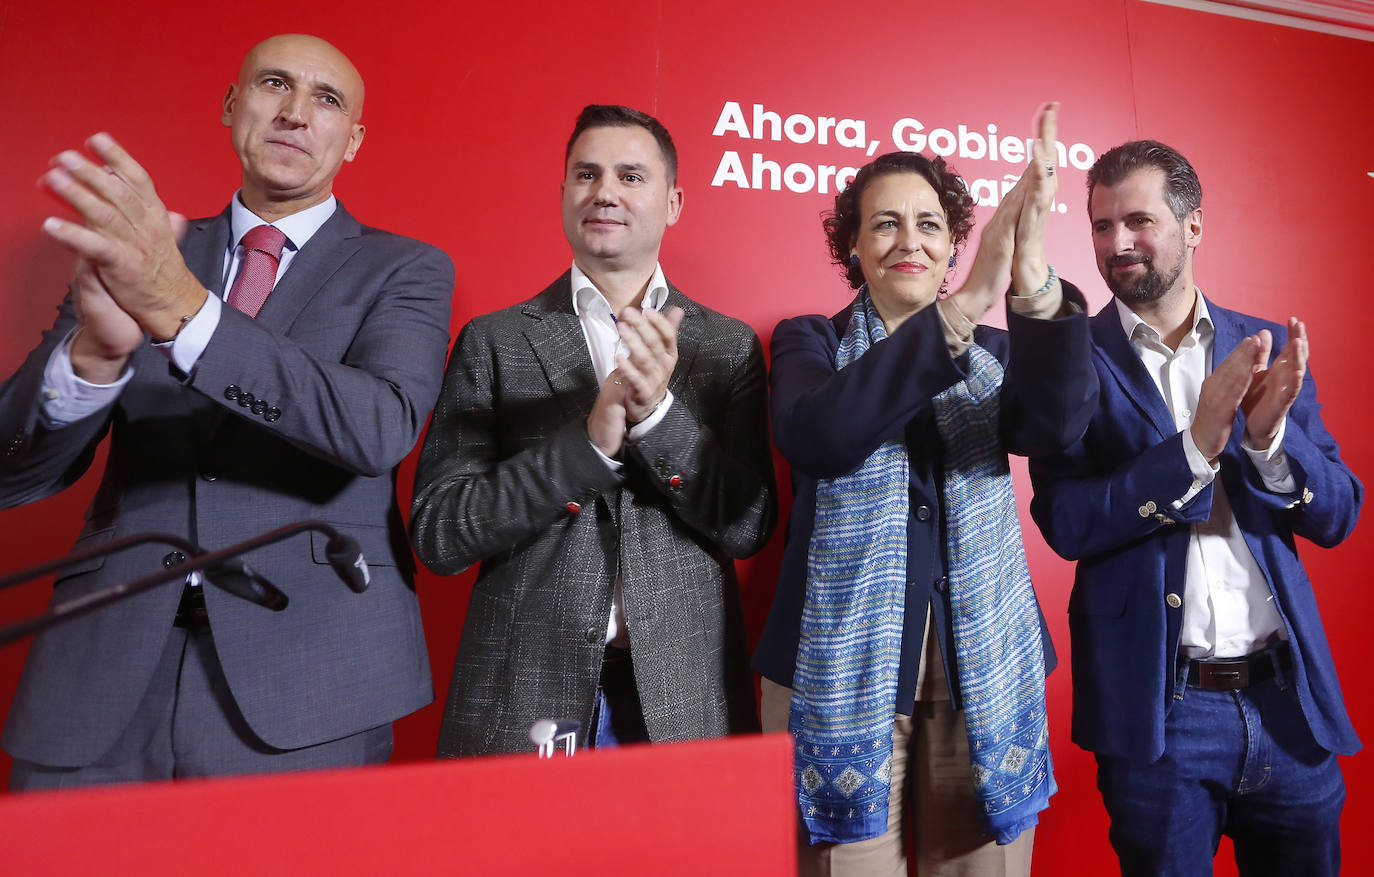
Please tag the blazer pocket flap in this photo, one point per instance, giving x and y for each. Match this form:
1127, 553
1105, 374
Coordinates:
1098, 598
94, 539
374, 541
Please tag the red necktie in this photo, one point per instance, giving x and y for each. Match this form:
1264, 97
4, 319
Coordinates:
258, 271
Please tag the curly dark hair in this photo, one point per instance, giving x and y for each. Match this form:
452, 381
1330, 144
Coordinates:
842, 223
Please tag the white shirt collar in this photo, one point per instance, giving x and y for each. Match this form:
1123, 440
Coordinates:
1135, 327
585, 295
299, 227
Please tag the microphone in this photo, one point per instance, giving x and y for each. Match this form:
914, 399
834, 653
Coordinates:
222, 568
241, 580
346, 556
545, 731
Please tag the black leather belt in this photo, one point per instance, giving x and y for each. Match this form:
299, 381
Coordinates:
1233, 674
191, 612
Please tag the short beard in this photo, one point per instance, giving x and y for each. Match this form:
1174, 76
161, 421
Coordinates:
1149, 287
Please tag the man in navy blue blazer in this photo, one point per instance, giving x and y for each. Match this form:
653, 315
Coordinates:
1202, 677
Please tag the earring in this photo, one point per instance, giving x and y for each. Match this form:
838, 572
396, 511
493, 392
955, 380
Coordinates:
951, 263
854, 260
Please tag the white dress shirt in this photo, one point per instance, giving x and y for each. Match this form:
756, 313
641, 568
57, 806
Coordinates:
604, 345
1228, 604
67, 398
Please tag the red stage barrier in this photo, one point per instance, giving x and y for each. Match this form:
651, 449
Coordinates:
717, 807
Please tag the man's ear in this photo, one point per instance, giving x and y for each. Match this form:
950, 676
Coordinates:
674, 204
1192, 228
355, 141
227, 108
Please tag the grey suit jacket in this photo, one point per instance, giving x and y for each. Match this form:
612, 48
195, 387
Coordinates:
508, 477
346, 355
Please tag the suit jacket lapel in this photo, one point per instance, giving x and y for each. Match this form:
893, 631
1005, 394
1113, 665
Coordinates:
688, 338
328, 249
203, 249
1228, 333
206, 242
1130, 374
555, 336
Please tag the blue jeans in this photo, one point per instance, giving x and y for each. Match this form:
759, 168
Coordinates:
617, 717
1240, 763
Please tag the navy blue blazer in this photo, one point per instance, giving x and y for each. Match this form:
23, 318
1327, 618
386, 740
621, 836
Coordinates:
827, 422
1092, 504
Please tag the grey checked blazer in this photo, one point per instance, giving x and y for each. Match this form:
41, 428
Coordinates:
347, 355
509, 478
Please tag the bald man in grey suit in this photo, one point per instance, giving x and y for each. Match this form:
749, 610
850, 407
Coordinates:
602, 451
226, 425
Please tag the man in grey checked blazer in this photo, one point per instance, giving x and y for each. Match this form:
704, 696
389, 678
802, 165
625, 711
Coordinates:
602, 450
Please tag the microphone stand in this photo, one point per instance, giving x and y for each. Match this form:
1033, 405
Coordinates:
234, 576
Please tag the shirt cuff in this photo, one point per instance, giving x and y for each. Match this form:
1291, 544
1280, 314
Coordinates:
641, 429
1203, 470
68, 398
1045, 304
186, 349
613, 465
1272, 463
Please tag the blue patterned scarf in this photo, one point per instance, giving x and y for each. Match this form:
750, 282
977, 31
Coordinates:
845, 684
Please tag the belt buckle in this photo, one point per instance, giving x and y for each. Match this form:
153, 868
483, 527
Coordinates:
1223, 675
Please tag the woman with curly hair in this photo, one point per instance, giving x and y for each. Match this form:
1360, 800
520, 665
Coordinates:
904, 649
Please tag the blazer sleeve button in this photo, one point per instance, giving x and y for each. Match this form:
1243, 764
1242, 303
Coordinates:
272, 415
232, 392
259, 407
573, 508
246, 400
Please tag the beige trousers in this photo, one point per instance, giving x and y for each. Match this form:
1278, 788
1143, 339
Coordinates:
944, 824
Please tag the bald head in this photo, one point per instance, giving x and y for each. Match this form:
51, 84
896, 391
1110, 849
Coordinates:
306, 47
294, 117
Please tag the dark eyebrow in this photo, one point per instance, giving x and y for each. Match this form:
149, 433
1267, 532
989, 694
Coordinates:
924, 214
632, 168
318, 85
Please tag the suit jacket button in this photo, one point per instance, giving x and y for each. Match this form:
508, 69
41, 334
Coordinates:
1144, 512
272, 415
675, 481
246, 400
172, 558
231, 392
209, 475
941, 584
1173, 600
573, 508
593, 635
1308, 495
923, 513
258, 407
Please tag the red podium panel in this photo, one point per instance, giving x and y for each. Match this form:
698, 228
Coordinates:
718, 807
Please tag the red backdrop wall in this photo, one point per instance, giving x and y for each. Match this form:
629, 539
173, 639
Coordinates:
468, 109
